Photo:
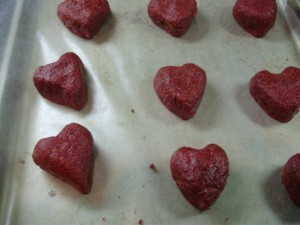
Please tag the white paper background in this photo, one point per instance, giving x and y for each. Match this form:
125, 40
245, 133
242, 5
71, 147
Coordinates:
121, 62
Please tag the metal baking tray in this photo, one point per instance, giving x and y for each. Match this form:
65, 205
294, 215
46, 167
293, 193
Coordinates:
121, 62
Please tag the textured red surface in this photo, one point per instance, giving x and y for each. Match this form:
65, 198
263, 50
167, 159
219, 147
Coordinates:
69, 156
291, 178
200, 175
277, 94
257, 17
181, 88
83, 17
174, 16
62, 82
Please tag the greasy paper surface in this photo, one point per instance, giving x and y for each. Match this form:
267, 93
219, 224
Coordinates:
121, 62
295, 4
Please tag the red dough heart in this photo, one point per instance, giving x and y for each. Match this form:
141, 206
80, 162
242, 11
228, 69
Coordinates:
200, 175
83, 17
257, 17
174, 16
63, 82
291, 178
181, 88
69, 156
277, 94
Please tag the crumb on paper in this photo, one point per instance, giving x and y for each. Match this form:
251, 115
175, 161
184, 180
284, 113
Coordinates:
104, 219
123, 216
119, 197
132, 110
148, 182
152, 167
22, 161
226, 219
52, 193
141, 222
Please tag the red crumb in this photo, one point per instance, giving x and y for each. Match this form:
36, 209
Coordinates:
132, 110
152, 166
141, 222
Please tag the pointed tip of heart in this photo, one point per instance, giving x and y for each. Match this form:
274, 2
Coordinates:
68, 156
63, 82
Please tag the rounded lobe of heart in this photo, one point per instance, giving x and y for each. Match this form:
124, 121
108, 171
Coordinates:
277, 94
62, 82
256, 17
174, 16
290, 178
83, 17
200, 175
181, 88
69, 156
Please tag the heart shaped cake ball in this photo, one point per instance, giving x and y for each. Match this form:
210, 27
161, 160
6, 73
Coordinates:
174, 16
69, 156
181, 88
256, 17
290, 178
83, 17
277, 94
63, 82
200, 175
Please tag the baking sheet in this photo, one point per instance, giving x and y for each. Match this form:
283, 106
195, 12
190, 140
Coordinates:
121, 62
